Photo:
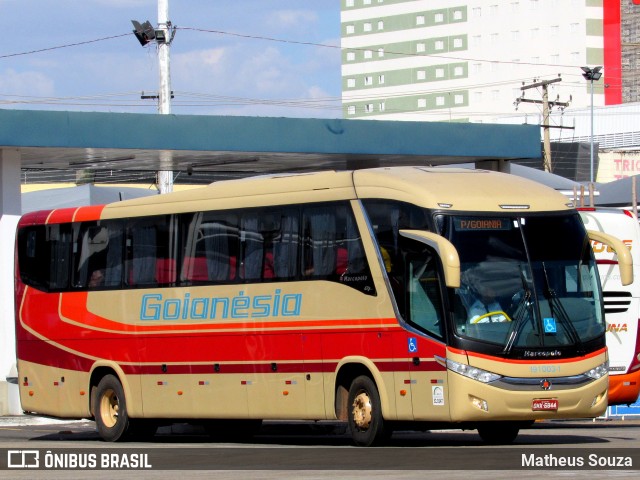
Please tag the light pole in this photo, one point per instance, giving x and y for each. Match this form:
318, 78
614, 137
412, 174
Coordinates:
592, 74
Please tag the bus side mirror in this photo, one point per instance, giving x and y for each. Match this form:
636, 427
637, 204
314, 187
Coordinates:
625, 261
445, 249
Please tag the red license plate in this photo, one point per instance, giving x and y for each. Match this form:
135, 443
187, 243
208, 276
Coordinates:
547, 404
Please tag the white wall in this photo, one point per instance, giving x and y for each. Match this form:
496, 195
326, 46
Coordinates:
9, 216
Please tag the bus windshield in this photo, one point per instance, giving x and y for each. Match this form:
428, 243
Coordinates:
519, 288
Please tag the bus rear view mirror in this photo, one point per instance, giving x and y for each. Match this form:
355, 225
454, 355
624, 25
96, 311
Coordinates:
445, 249
625, 261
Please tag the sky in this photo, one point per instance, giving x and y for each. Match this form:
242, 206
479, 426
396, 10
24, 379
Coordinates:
81, 55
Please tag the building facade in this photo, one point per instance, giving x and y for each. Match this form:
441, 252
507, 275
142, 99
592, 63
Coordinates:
443, 60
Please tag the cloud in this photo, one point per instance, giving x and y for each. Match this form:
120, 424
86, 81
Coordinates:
287, 20
27, 83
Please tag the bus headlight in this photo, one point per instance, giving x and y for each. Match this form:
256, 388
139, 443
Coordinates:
599, 371
472, 372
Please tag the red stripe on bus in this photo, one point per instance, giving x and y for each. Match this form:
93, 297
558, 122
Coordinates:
61, 215
88, 213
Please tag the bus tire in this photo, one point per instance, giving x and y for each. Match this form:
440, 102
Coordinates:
365, 413
110, 409
499, 433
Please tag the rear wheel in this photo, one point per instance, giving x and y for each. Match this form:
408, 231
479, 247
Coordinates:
110, 409
365, 413
499, 433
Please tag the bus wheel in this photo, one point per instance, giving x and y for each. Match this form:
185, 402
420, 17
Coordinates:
499, 433
110, 409
365, 413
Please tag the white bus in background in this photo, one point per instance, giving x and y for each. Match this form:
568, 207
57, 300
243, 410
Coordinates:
621, 303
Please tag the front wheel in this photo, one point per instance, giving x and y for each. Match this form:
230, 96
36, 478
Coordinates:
365, 413
110, 409
499, 433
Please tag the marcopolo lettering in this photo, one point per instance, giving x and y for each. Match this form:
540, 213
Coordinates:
155, 306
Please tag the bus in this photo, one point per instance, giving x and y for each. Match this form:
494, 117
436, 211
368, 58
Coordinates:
621, 302
389, 298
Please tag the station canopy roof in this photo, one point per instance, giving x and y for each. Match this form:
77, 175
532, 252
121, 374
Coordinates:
242, 146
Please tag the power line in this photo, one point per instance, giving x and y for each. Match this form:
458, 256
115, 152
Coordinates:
58, 47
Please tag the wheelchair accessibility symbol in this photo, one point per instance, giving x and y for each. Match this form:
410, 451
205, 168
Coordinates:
550, 325
413, 345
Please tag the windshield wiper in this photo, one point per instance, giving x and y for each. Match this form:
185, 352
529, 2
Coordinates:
555, 305
520, 314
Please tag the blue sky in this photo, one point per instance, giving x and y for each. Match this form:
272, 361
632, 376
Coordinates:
211, 73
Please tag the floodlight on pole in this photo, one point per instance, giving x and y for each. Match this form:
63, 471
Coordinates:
144, 32
593, 75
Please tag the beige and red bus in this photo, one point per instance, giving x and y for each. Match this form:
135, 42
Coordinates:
387, 298
621, 302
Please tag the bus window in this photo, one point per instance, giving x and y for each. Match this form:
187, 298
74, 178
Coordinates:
151, 246
423, 293
98, 246
332, 247
44, 254
211, 248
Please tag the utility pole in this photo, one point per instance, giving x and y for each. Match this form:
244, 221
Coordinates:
165, 177
545, 114
163, 36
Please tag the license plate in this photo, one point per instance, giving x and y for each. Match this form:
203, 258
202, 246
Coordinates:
547, 404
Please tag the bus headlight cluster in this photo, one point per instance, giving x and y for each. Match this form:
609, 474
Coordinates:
472, 372
599, 371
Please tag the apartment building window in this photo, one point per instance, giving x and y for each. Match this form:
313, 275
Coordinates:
439, 72
574, 27
554, 30
368, 108
440, 101
381, 107
515, 7
351, 83
476, 12
554, 59
457, 43
438, 18
515, 35
458, 72
422, 103
367, 2
351, 109
477, 97
476, 40
380, 52
420, 20
368, 80
349, 3
367, 27
350, 29
457, 14
476, 67
380, 25
458, 99
494, 38
421, 75
420, 47
535, 32
533, 4
439, 45
368, 54
380, 79
493, 9
351, 56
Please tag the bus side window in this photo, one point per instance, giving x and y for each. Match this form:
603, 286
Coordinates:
91, 242
151, 251
286, 245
